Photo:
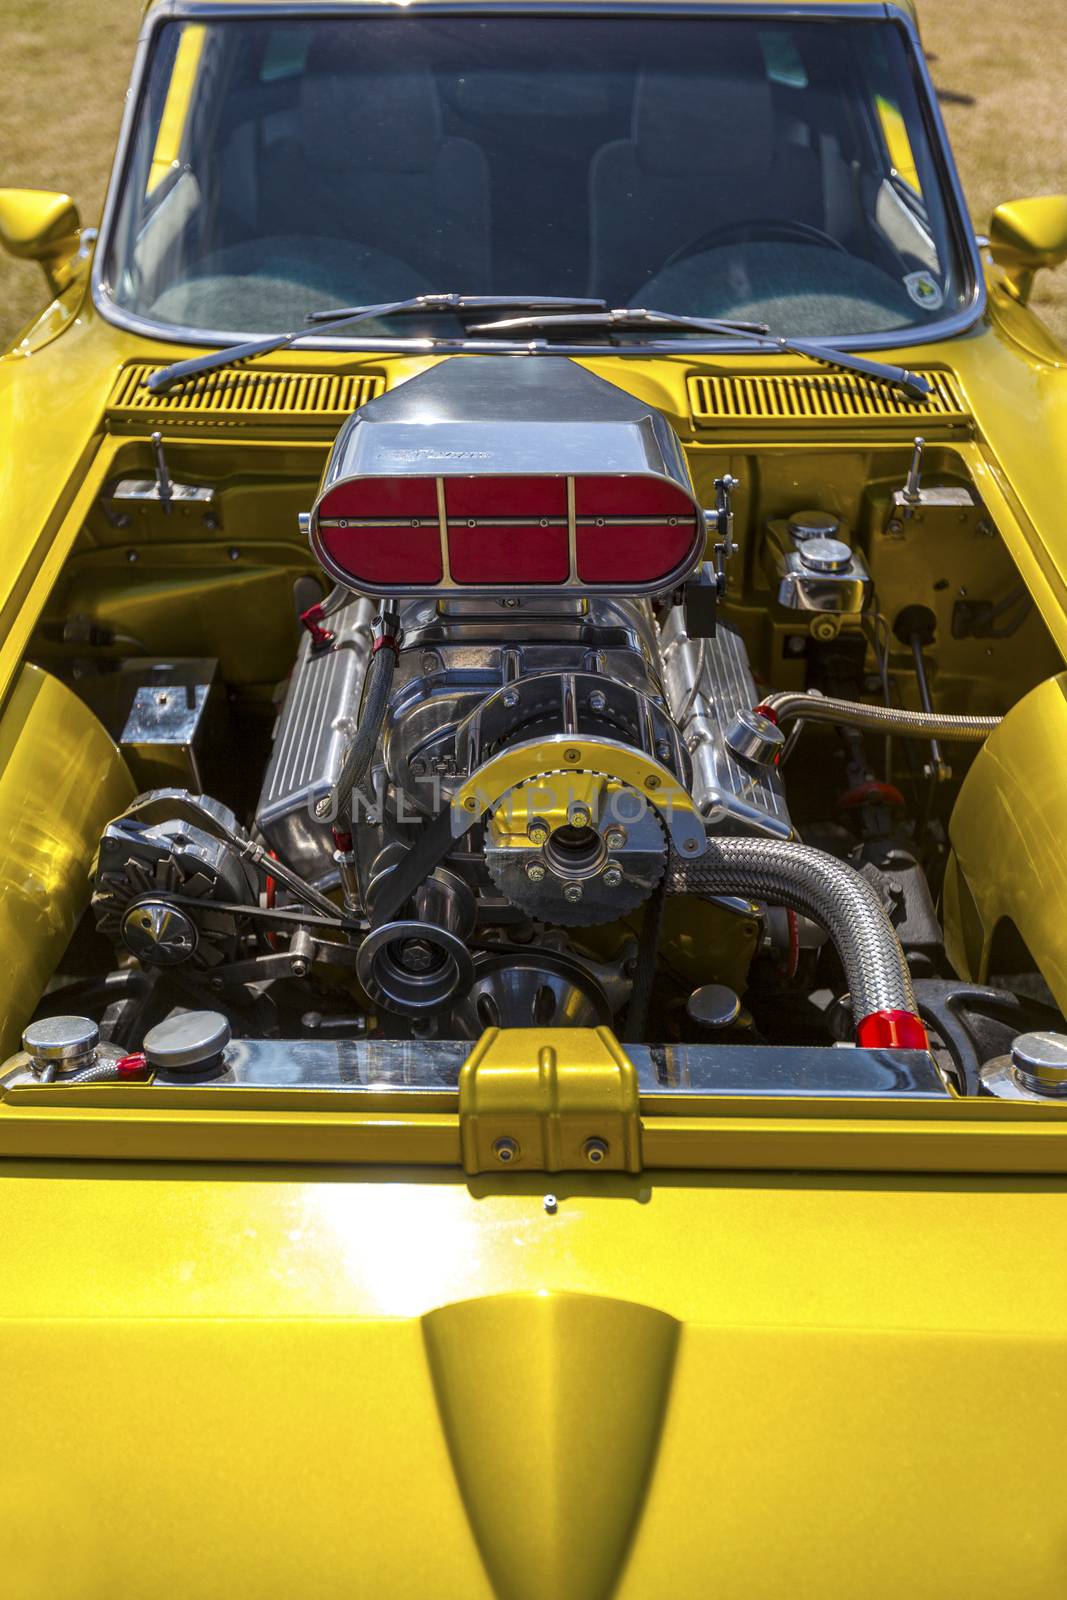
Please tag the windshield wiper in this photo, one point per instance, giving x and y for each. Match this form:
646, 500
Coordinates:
318, 323
912, 384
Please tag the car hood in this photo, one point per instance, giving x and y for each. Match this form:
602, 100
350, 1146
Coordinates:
251, 1382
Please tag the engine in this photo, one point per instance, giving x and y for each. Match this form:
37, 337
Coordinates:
516, 736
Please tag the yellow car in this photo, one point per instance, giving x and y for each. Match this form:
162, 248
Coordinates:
533, 823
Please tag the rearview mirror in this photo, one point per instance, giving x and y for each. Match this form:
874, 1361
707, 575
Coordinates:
1026, 235
39, 225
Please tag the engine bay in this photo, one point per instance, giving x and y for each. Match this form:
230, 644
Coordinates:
580, 728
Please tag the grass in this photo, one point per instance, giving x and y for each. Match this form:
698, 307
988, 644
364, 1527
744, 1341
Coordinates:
1001, 74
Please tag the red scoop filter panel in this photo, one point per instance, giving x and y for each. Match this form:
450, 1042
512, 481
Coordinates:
487, 474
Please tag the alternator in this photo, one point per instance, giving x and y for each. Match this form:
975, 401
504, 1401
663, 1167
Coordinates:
160, 886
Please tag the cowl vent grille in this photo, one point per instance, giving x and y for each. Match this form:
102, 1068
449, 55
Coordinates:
821, 400
251, 397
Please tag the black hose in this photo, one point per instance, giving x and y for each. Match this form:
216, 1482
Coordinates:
360, 752
636, 1024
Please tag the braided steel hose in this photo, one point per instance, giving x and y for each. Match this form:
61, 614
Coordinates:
832, 894
791, 705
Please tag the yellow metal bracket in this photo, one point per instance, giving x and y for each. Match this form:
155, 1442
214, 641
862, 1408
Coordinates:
549, 1100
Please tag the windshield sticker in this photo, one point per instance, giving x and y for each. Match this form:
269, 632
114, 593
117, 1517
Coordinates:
925, 290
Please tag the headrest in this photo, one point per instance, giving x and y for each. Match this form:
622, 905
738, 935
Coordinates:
354, 114
714, 122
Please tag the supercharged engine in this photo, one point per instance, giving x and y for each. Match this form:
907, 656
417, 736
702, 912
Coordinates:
521, 773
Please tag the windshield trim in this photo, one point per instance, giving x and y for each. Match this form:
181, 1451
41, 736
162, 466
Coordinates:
963, 237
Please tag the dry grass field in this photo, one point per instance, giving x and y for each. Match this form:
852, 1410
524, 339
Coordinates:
1001, 73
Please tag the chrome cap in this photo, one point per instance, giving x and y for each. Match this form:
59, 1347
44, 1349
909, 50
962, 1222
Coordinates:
814, 525
1040, 1062
60, 1039
713, 1006
188, 1042
755, 739
825, 555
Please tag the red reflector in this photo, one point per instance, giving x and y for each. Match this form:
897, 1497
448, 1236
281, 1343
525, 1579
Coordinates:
507, 530
892, 1030
383, 531
613, 546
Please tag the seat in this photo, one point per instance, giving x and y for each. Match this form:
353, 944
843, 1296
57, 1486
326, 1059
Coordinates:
356, 194
704, 150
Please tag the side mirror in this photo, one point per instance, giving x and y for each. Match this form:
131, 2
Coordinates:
1026, 235
38, 225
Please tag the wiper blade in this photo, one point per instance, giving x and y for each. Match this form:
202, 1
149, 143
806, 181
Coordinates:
912, 384
321, 322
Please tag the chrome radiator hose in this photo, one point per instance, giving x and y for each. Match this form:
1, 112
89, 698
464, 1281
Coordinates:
832, 894
793, 706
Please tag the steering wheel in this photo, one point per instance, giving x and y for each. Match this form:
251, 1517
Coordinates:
757, 228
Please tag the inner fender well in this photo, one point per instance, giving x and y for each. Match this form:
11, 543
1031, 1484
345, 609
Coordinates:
61, 781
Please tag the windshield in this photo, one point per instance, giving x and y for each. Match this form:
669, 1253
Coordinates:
777, 171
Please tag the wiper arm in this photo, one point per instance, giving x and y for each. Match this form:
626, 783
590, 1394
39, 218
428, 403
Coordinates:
624, 317
321, 322
912, 384
470, 302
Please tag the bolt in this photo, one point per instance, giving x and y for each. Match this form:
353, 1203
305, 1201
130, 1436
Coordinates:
417, 955
663, 750
511, 602
572, 755
535, 872
572, 893
615, 838
233, 553
689, 845
131, 555
429, 661
511, 698
612, 876
506, 1150
598, 700
537, 832
579, 818
551, 1204
298, 967
652, 782
595, 1151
